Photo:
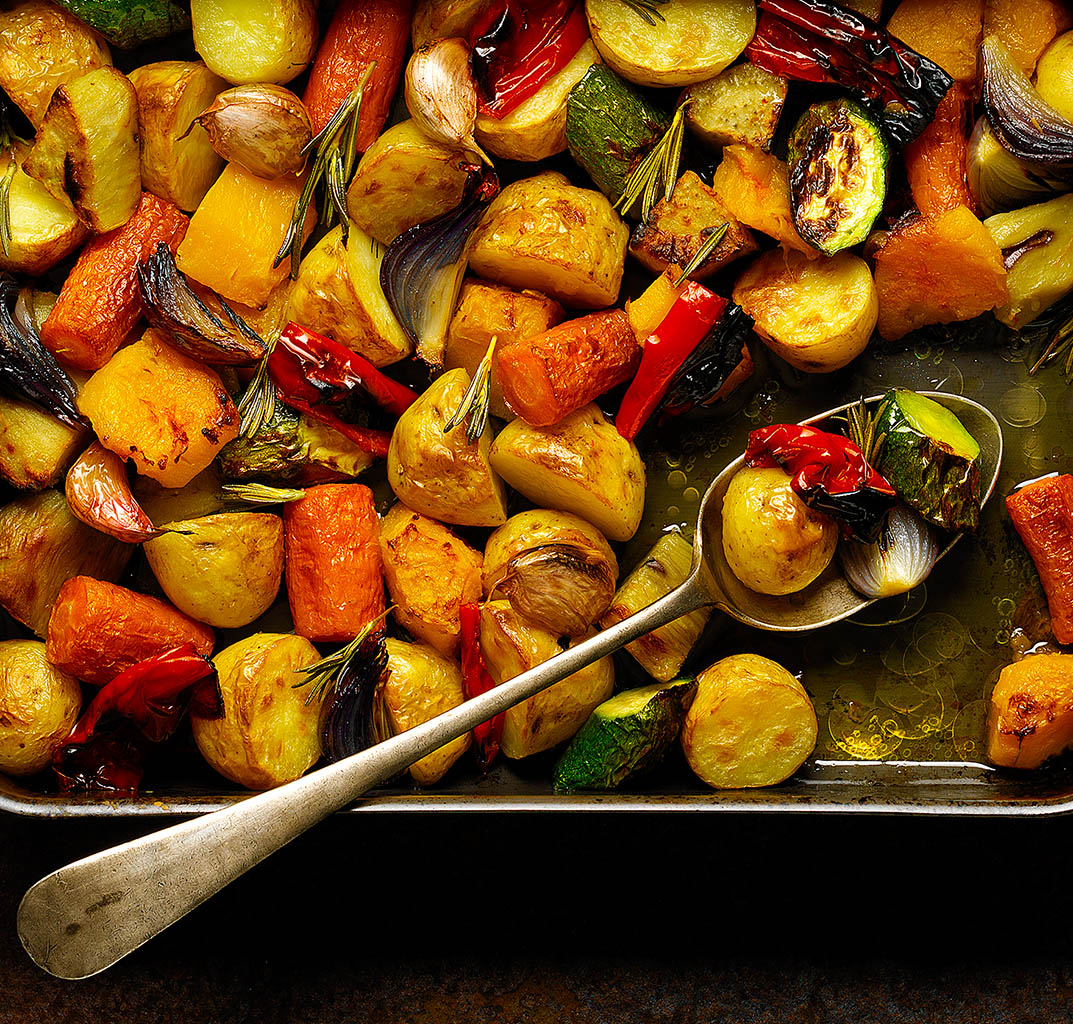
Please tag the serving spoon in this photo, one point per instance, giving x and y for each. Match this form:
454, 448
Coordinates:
82, 918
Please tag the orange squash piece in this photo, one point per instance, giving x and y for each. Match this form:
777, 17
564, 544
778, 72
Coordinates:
237, 230
754, 186
1026, 26
936, 270
169, 414
935, 160
948, 33
1031, 714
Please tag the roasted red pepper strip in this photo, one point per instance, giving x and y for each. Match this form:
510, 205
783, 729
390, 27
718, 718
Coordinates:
828, 472
693, 314
141, 706
476, 680
517, 47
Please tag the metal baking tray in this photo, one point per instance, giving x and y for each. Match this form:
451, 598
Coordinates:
901, 705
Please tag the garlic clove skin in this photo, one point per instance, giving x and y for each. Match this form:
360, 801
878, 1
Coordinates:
263, 128
441, 94
902, 557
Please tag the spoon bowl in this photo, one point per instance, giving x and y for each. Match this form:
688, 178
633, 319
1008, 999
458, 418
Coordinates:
82, 918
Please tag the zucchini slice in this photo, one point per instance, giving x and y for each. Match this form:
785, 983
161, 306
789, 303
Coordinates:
838, 174
625, 736
930, 459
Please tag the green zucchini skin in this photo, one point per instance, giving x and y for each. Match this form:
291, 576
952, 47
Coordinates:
625, 737
609, 128
931, 465
838, 174
129, 24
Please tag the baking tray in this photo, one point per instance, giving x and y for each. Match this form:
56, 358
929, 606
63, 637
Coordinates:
901, 706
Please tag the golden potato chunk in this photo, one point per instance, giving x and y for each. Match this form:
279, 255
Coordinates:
739, 106
1030, 717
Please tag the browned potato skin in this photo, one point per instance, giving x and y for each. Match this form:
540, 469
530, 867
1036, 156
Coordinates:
430, 574
420, 684
44, 47
268, 734
676, 230
39, 706
486, 310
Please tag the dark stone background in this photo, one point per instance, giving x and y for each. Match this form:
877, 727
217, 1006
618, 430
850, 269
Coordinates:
654, 918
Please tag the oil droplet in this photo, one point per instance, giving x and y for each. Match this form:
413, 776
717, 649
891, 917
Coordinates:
676, 479
673, 459
1022, 406
673, 510
691, 494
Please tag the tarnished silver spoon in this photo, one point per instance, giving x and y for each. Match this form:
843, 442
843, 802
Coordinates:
82, 918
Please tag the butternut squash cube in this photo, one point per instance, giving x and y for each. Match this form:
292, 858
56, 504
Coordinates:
1031, 713
950, 40
169, 414
235, 233
1026, 26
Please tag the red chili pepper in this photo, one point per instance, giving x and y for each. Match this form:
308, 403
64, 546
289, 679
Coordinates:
517, 47
476, 680
828, 472
693, 314
141, 706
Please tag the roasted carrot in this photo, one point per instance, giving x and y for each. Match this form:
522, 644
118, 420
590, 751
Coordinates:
549, 375
99, 629
1042, 513
360, 32
935, 160
335, 580
100, 301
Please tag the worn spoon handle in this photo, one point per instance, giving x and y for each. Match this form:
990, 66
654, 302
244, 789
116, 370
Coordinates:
84, 917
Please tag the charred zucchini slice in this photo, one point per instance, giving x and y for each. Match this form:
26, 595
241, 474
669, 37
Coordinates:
930, 459
625, 736
838, 174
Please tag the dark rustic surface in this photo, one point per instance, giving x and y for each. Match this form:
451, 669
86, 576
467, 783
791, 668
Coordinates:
539, 918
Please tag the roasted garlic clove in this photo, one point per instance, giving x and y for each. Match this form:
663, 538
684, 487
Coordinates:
441, 93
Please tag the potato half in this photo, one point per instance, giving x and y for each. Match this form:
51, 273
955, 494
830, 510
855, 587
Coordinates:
750, 724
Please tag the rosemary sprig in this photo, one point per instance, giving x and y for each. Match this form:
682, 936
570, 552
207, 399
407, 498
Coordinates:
658, 170
706, 249
647, 9
258, 403
473, 409
861, 430
1059, 341
334, 162
325, 673
260, 494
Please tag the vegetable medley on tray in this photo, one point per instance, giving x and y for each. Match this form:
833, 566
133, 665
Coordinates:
332, 350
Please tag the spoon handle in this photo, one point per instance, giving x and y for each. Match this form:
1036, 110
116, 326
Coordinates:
82, 918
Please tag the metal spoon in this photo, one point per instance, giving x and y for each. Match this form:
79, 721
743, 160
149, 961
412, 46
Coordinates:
82, 918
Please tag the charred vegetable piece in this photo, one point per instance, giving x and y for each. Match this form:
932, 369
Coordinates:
27, 368
1030, 717
131, 25
173, 307
829, 473
98, 492
625, 737
477, 680
141, 706
610, 125
901, 558
931, 460
838, 174
998, 180
819, 41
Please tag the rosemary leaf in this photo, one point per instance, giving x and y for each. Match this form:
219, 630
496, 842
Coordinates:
258, 404
473, 409
260, 494
647, 9
706, 249
658, 170
861, 429
5, 204
324, 673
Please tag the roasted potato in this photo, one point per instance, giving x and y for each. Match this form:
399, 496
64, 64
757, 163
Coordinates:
166, 412
511, 646
441, 474
491, 310
739, 106
202, 496
544, 233
255, 40
582, 464
44, 229
1030, 716
773, 542
39, 706
430, 574
178, 163
418, 685
86, 151
818, 315
692, 40
556, 569
223, 569
751, 724
402, 179
338, 293
536, 128
44, 47
41, 546
268, 734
